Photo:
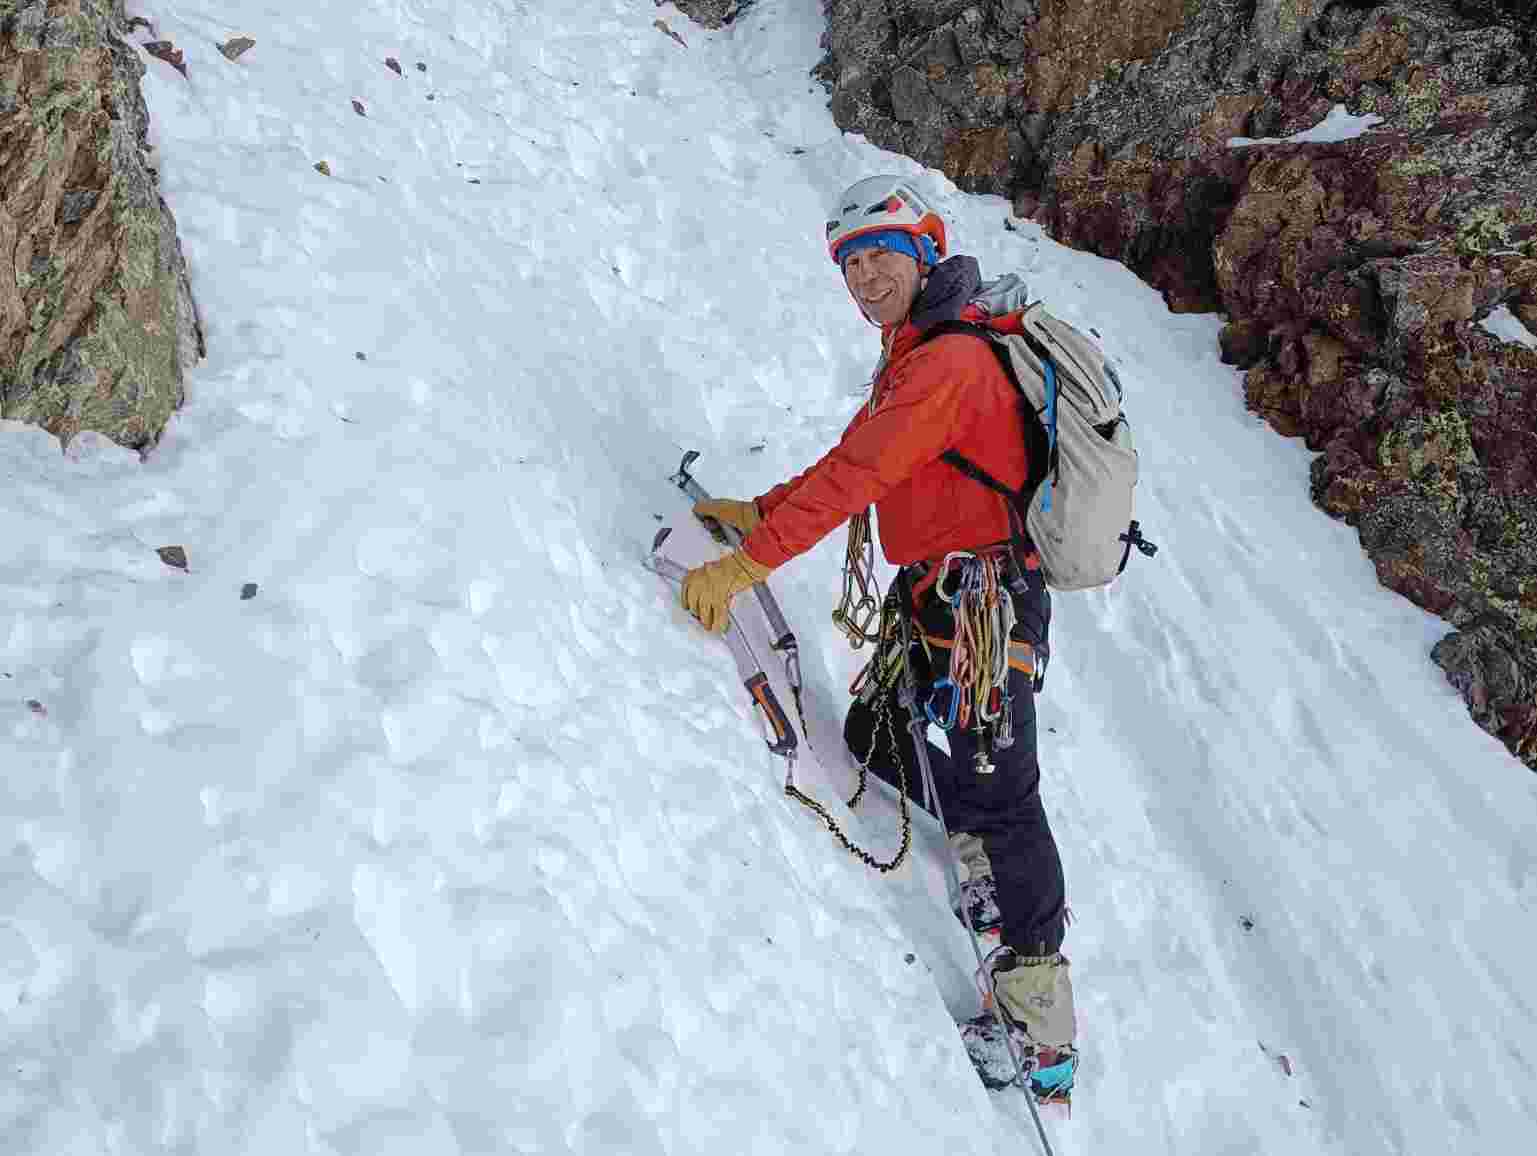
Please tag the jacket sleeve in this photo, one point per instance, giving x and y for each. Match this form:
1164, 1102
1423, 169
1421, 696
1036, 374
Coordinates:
767, 501
914, 423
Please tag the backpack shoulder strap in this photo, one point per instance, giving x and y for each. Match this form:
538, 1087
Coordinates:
1037, 445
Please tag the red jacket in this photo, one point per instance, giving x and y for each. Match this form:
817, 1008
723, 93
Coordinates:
946, 394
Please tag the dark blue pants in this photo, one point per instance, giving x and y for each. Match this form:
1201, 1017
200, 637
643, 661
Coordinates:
1003, 808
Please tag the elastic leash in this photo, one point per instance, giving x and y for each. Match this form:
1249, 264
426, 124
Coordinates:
871, 681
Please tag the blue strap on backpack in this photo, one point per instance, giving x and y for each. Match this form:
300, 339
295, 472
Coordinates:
1051, 425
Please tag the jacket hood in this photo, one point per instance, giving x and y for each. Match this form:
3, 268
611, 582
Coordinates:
949, 289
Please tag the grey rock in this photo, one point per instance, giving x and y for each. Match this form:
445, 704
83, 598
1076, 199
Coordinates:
911, 99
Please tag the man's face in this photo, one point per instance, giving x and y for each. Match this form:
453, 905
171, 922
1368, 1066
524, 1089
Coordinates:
883, 283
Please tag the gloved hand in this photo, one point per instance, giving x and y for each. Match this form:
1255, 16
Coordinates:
709, 589
743, 516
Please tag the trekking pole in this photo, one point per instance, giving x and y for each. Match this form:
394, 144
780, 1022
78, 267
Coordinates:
784, 638
918, 725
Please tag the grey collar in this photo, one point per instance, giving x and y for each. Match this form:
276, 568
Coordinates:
948, 290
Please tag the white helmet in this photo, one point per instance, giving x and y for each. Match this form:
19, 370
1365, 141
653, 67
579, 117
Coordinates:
879, 204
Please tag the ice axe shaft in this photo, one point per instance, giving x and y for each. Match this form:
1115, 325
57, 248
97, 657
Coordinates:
784, 637
781, 739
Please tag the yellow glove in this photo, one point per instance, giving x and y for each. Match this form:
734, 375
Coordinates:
709, 589
743, 516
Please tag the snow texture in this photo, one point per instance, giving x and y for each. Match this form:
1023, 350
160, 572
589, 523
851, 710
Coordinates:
456, 836
1338, 125
1508, 327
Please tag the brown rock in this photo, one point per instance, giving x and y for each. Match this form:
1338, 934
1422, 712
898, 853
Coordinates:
97, 322
236, 47
1275, 397
980, 156
1324, 355
1243, 343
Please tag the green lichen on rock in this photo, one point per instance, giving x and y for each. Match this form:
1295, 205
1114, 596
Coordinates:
1514, 531
1422, 104
1513, 600
101, 325
1431, 452
1291, 15
1483, 231
1418, 165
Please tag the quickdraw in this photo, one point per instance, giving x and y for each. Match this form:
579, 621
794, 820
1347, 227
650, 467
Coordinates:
975, 587
855, 611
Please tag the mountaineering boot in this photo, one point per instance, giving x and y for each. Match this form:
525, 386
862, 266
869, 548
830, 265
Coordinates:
1035, 995
979, 894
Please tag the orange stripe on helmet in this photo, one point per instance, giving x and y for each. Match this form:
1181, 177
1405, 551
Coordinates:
930, 226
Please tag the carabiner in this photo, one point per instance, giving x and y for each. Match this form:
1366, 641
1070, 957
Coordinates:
955, 704
944, 574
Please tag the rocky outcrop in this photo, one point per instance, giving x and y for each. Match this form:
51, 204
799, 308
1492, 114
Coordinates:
1352, 272
97, 321
712, 13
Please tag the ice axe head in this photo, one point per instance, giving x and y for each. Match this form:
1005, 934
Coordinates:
681, 479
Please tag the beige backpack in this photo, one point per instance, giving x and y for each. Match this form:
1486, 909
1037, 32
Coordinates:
1076, 505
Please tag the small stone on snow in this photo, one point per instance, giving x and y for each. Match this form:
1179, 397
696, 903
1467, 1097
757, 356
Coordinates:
661, 25
168, 52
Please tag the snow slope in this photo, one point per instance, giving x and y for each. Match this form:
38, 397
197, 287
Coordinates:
457, 836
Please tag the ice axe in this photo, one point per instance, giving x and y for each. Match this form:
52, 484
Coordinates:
780, 735
784, 638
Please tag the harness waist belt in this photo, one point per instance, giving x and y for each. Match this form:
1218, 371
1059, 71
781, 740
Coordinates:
1021, 654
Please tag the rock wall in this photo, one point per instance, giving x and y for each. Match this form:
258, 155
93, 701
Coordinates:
97, 321
712, 13
1353, 273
